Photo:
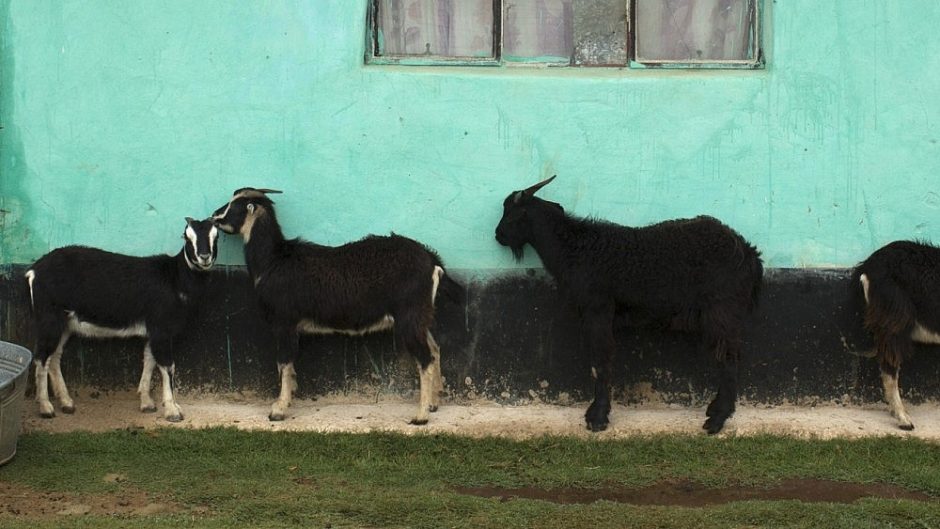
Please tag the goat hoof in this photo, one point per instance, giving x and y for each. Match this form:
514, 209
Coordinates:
714, 425
432, 409
906, 427
68, 409
418, 422
597, 416
47, 415
274, 417
175, 418
149, 409
597, 426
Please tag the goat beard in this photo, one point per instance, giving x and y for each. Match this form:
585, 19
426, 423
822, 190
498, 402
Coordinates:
517, 252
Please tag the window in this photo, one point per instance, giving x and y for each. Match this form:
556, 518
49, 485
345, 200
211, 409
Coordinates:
618, 33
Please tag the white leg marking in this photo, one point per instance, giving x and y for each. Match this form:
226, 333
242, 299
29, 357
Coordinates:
437, 381
288, 386
424, 402
30, 276
42, 390
863, 279
171, 410
146, 401
893, 396
435, 282
57, 380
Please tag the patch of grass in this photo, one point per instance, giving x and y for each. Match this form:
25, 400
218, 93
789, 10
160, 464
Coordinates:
228, 478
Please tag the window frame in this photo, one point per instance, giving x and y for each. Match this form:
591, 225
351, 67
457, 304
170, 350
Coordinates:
633, 61
372, 45
757, 62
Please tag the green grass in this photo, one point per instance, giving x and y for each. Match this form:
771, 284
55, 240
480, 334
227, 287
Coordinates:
386, 480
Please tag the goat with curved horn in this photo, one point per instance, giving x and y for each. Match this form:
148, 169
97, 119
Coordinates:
528, 192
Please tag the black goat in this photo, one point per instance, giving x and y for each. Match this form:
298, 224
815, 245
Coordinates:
694, 274
375, 284
900, 284
98, 294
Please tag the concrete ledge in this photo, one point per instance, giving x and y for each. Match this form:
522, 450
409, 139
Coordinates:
514, 340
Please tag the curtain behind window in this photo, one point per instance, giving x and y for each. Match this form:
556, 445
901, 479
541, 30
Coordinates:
684, 30
445, 28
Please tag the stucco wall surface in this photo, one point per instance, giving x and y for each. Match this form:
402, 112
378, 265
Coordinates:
121, 118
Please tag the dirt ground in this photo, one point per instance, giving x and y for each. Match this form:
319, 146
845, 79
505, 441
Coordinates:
20, 500
478, 418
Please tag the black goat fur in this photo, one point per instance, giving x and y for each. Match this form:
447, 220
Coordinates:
75, 287
347, 289
694, 275
903, 283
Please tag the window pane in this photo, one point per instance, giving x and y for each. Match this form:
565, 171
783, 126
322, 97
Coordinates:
580, 32
600, 32
537, 30
442, 28
694, 30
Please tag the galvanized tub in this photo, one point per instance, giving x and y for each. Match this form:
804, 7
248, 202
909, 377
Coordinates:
14, 371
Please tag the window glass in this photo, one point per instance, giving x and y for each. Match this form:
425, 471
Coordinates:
537, 30
439, 28
694, 30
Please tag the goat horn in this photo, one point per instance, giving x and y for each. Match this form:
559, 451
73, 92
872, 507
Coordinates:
250, 192
531, 191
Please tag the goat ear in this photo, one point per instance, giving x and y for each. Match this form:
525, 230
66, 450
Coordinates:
251, 207
189, 220
531, 191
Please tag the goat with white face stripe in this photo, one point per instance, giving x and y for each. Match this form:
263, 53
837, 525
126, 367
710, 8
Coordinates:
374, 284
77, 290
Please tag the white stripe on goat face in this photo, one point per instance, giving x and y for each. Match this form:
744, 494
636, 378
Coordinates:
190, 235
213, 235
218, 218
192, 239
222, 215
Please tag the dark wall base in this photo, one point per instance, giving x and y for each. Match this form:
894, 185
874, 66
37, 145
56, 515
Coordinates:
513, 340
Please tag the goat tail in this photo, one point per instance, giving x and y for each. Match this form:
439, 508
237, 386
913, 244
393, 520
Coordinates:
452, 290
849, 318
30, 276
889, 309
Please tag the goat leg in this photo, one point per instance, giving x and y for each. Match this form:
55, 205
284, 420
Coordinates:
146, 375
722, 407
599, 324
57, 380
889, 378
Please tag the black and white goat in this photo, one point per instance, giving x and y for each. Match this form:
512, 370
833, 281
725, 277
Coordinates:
900, 284
77, 290
374, 284
694, 274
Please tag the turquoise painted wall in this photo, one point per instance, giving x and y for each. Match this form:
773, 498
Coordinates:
121, 118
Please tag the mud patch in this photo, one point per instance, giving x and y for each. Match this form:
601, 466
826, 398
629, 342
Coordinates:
689, 494
20, 500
